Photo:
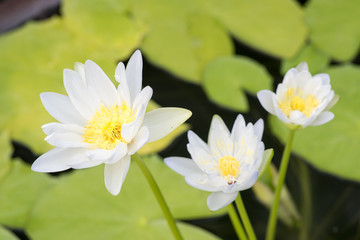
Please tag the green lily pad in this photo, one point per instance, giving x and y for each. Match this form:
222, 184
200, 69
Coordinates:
226, 79
184, 47
104, 26
276, 27
6, 235
5, 154
19, 191
316, 60
334, 146
81, 205
335, 27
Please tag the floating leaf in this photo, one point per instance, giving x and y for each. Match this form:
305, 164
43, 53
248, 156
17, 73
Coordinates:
316, 60
104, 26
81, 205
335, 27
276, 27
19, 191
226, 79
6, 235
185, 47
334, 146
5, 154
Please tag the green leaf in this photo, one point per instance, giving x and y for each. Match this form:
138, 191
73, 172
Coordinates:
226, 79
5, 154
316, 60
185, 47
104, 26
333, 147
19, 191
335, 27
6, 235
81, 205
275, 27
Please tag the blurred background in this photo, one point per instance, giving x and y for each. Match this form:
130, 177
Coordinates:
209, 56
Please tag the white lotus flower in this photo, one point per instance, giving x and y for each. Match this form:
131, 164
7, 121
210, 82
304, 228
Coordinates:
301, 99
102, 124
229, 163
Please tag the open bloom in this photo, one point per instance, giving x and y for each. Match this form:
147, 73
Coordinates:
301, 99
101, 124
229, 163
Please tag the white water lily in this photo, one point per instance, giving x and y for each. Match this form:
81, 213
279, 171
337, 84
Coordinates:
301, 100
229, 163
101, 124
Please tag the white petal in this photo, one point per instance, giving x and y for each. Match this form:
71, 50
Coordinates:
183, 166
325, 78
115, 175
50, 128
79, 160
259, 128
118, 153
98, 80
61, 108
80, 69
289, 76
66, 139
218, 200
143, 97
77, 90
332, 102
195, 141
200, 181
54, 160
266, 100
134, 74
323, 118
219, 140
129, 130
238, 127
162, 121
297, 117
302, 67
205, 160
139, 140
123, 88
99, 155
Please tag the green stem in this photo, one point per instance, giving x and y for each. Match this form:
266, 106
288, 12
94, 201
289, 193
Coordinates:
245, 218
158, 195
236, 222
271, 227
306, 201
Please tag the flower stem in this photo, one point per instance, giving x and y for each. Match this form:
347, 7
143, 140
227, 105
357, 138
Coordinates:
159, 197
244, 217
271, 227
236, 222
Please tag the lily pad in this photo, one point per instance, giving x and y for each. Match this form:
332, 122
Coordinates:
316, 60
226, 79
19, 191
81, 205
6, 235
334, 146
335, 27
276, 27
5, 154
184, 47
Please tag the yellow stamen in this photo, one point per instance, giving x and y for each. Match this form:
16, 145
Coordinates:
296, 100
229, 168
104, 129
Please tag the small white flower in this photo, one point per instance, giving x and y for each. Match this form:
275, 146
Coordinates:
301, 100
229, 163
101, 124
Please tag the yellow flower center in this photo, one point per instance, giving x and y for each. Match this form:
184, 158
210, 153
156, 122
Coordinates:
296, 100
104, 129
229, 168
